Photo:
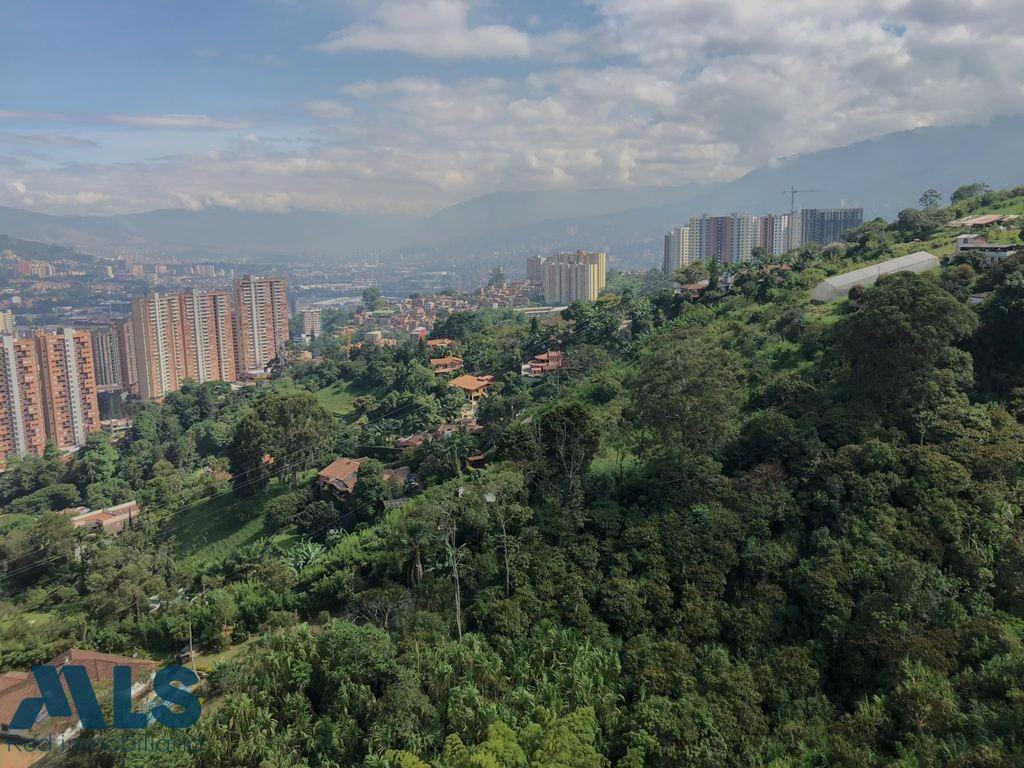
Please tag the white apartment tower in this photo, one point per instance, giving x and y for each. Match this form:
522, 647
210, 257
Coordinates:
677, 250
578, 276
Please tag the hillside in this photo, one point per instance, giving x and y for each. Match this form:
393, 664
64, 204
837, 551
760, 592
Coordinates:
740, 530
29, 249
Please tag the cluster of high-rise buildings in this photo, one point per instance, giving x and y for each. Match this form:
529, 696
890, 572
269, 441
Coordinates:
202, 335
47, 391
732, 238
50, 380
569, 277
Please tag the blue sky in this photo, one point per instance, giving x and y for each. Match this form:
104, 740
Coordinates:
409, 105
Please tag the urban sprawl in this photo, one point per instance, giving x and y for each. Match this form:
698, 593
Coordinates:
60, 382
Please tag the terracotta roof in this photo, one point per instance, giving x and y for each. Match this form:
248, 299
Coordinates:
981, 221
107, 516
471, 383
340, 474
411, 441
446, 362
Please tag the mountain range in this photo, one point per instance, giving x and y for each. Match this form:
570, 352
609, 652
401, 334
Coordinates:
882, 175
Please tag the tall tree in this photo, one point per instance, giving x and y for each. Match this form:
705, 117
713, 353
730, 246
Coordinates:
930, 198
893, 348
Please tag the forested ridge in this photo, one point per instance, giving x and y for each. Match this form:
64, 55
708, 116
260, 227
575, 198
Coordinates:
743, 530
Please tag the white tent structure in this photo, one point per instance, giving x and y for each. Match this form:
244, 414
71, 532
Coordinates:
838, 286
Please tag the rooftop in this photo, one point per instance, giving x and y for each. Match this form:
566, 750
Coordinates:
469, 383
341, 474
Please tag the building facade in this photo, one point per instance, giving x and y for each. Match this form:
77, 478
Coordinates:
182, 336
159, 345
106, 352
826, 225
725, 239
68, 387
312, 323
126, 353
208, 334
6, 321
261, 306
577, 276
774, 233
535, 269
22, 430
677, 250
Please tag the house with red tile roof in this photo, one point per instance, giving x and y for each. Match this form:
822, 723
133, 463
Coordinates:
111, 520
546, 362
474, 386
339, 477
448, 364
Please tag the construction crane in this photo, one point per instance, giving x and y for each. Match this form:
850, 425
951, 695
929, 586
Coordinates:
793, 192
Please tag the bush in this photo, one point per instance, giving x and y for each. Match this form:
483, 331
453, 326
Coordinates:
282, 511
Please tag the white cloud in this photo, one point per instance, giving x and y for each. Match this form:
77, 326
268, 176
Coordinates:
45, 138
179, 122
656, 92
433, 28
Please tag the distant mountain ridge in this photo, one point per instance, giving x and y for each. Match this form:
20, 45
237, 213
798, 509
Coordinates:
29, 249
882, 175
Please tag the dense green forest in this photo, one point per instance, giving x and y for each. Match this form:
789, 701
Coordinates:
745, 530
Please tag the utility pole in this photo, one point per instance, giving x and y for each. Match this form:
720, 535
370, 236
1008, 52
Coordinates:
191, 653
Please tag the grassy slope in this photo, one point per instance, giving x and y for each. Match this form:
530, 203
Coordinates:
208, 532
943, 243
337, 398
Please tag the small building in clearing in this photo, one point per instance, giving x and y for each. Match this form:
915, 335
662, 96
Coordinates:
544, 363
112, 520
440, 343
838, 286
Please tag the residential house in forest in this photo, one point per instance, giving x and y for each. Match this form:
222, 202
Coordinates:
474, 386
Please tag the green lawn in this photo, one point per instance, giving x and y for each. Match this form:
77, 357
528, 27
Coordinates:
207, 661
337, 398
17, 622
209, 531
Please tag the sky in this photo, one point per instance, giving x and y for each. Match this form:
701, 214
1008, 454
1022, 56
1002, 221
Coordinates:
407, 106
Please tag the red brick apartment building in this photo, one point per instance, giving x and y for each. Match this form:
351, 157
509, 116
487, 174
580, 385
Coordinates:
70, 408
261, 330
21, 411
47, 392
209, 336
182, 336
